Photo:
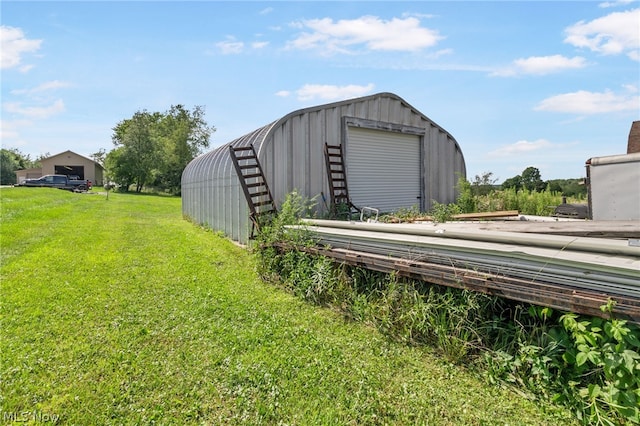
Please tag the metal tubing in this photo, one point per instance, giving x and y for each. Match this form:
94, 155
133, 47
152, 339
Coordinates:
560, 242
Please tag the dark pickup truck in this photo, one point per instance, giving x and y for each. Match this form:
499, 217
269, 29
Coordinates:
59, 181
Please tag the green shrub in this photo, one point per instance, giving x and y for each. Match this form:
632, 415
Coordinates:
589, 364
466, 200
444, 212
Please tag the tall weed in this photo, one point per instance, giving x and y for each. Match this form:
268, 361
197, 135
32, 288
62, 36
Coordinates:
526, 202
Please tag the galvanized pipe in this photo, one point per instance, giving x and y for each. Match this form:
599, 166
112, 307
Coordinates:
560, 242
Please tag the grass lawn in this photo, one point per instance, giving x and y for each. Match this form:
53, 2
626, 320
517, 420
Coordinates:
118, 311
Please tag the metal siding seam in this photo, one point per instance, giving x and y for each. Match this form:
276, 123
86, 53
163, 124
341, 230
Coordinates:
287, 156
313, 141
298, 140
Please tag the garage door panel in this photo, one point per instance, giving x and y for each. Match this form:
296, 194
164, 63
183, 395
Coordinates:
383, 168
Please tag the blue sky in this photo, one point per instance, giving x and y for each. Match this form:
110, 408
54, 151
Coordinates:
542, 83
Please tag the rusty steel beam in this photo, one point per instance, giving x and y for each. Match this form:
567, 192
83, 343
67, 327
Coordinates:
557, 296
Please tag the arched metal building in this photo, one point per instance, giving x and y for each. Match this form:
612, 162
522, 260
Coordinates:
395, 157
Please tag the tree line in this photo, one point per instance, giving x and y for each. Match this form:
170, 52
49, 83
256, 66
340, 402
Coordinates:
529, 180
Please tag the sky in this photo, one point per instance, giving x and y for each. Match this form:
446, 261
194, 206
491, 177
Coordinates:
518, 84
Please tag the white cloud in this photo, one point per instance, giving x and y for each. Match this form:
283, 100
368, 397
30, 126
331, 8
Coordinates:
283, 93
418, 15
584, 102
616, 3
14, 46
230, 47
9, 130
34, 111
440, 53
541, 65
44, 87
330, 93
259, 44
372, 32
520, 148
266, 11
613, 34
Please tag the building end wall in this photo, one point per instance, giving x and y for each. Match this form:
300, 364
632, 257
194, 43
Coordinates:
634, 138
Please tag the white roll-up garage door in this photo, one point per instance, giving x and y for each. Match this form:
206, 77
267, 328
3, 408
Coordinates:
383, 169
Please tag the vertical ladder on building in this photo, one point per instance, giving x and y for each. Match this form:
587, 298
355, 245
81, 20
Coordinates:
254, 185
340, 202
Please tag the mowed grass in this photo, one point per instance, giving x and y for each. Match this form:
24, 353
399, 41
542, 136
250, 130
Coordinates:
119, 311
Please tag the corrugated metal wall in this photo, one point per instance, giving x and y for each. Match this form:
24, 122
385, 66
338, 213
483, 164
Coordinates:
614, 187
291, 152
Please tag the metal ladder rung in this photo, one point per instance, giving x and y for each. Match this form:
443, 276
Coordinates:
252, 175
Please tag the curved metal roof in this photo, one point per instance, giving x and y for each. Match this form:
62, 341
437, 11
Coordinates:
258, 136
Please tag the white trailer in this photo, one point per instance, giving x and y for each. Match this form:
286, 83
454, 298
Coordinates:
614, 187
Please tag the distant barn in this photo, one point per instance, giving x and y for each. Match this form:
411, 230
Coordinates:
65, 163
394, 157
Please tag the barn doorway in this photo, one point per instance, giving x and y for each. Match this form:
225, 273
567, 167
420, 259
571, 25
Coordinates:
74, 172
383, 169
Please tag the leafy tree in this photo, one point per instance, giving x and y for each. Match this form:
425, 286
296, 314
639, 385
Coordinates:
8, 166
532, 180
154, 148
568, 187
514, 182
574, 188
482, 185
100, 156
554, 186
140, 154
183, 134
118, 168
12, 160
